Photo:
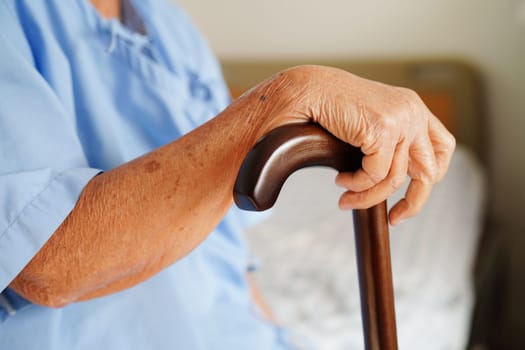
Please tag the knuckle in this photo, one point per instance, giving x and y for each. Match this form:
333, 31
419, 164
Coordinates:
411, 209
410, 96
429, 173
429, 170
356, 200
388, 128
441, 175
414, 103
396, 182
434, 173
450, 142
430, 176
378, 175
408, 91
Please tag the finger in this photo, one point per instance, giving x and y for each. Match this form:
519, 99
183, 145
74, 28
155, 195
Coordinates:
444, 144
379, 192
374, 169
422, 165
415, 198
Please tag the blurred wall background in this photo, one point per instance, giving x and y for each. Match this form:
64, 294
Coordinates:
489, 34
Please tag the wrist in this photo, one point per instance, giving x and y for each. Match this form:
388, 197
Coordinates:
277, 101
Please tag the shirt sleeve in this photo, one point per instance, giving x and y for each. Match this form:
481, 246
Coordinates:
42, 164
207, 83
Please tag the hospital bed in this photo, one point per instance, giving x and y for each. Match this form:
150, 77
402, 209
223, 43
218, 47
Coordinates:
306, 245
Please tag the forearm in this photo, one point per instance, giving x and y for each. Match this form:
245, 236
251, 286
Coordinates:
134, 220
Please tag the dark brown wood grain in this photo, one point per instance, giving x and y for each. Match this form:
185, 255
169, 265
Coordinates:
289, 148
375, 278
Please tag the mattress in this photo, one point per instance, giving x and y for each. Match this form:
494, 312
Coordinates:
308, 271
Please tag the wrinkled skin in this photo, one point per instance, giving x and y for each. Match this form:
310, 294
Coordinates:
138, 218
394, 129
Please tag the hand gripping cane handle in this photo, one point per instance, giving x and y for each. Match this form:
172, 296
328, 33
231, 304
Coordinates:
289, 148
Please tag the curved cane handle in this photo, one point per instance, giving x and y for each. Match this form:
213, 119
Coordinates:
289, 148
282, 152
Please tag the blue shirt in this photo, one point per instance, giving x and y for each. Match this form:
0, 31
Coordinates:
80, 94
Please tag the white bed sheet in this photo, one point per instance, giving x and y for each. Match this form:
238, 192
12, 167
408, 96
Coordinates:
308, 271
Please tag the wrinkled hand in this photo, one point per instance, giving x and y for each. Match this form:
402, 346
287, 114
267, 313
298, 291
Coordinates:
394, 129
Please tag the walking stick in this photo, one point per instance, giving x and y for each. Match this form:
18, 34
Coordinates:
289, 148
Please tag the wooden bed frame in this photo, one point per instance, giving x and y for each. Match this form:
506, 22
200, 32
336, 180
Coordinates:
453, 92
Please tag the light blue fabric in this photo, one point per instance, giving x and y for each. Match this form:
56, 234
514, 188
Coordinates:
78, 95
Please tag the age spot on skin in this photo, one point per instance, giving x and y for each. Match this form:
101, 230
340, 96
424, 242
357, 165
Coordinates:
171, 194
262, 98
152, 166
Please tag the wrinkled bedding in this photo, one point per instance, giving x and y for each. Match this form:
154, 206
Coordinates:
308, 271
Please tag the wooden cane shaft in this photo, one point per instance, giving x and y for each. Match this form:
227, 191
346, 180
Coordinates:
289, 148
375, 278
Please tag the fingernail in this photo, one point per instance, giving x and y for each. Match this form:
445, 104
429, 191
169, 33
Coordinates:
398, 222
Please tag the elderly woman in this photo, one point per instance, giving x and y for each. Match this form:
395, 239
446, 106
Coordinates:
118, 154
